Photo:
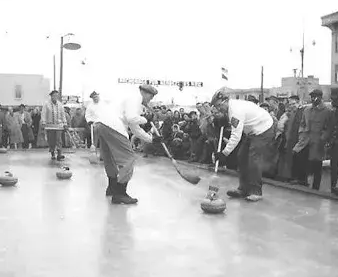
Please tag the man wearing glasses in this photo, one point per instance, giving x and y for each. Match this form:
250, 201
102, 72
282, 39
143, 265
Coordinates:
257, 125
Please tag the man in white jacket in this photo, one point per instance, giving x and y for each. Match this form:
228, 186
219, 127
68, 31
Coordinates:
116, 149
257, 125
92, 113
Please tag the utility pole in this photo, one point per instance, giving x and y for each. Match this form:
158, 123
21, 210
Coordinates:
302, 52
54, 73
262, 80
61, 68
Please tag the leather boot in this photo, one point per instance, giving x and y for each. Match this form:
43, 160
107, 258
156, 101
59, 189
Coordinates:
52, 153
122, 197
112, 184
60, 156
124, 186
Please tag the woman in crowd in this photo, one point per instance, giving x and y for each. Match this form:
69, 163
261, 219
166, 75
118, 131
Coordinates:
13, 126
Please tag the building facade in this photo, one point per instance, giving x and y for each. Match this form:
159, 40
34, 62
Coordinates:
27, 89
331, 21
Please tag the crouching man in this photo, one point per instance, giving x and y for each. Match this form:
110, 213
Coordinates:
53, 115
257, 125
116, 149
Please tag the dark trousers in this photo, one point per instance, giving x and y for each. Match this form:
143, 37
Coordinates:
315, 168
54, 139
302, 168
334, 165
117, 153
300, 165
250, 161
24, 131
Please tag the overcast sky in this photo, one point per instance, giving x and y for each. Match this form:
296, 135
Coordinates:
175, 40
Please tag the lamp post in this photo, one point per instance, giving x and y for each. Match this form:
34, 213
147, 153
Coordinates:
302, 82
69, 46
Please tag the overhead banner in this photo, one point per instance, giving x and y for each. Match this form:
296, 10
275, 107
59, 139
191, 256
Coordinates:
134, 81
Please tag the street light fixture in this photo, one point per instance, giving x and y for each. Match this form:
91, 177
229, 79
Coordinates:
69, 45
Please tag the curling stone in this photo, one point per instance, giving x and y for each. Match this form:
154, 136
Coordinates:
212, 204
64, 173
3, 150
8, 180
93, 159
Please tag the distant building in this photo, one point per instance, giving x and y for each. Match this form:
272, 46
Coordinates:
28, 89
301, 87
244, 93
331, 21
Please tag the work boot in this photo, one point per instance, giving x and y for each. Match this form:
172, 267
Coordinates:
122, 197
112, 183
60, 157
124, 186
236, 193
52, 155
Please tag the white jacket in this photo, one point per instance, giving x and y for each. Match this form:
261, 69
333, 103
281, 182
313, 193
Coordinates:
92, 111
246, 117
122, 112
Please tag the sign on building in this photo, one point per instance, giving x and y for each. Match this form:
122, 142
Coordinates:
135, 81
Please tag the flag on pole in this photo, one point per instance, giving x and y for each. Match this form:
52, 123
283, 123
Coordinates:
224, 73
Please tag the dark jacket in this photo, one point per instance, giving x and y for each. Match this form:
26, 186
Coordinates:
314, 131
193, 129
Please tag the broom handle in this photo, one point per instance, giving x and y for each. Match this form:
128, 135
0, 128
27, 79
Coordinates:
164, 146
219, 146
92, 133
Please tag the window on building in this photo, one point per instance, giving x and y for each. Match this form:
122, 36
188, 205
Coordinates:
18, 92
237, 96
336, 42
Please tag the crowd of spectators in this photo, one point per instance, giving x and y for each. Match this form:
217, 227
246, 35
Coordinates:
20, 127
194, 135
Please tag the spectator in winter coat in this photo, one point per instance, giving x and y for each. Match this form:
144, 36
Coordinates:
13, 127
194, 132
25, 120
36, 117
167, 127
314, 133
2, 128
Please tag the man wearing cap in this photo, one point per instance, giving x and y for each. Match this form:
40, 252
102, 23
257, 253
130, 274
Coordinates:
116, 149
257, 125
53, 115
314, 133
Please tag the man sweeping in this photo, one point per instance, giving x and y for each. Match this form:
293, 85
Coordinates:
116, 149
257, 125
91, 115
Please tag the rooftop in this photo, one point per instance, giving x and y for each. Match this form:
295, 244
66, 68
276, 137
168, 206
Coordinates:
330, 19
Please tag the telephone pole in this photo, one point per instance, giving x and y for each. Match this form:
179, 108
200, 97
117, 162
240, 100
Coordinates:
262, 80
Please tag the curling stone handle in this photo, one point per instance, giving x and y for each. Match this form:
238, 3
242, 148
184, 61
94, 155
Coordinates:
219, 146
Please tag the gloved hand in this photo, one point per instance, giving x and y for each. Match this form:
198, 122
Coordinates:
157, 139
90, 123
219, 155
